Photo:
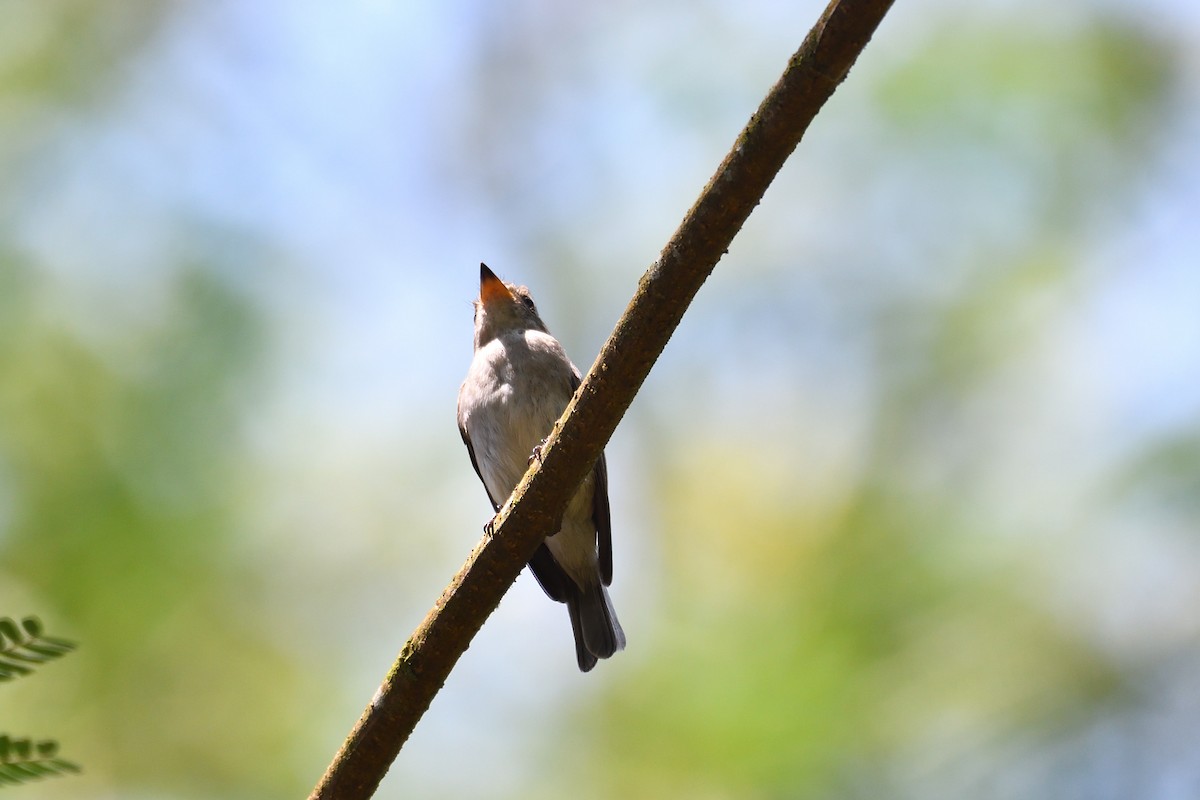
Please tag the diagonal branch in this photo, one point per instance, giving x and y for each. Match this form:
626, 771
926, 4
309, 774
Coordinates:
664, 293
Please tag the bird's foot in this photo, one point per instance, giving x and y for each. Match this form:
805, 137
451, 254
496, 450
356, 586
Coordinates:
489, 528
537, 453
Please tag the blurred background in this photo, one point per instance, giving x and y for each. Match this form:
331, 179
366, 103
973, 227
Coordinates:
909, 508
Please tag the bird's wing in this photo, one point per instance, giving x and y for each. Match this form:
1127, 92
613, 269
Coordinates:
554, 580
462, 430
600, 511
600, 515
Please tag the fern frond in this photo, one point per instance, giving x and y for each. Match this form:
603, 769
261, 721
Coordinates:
24, 646
24, 760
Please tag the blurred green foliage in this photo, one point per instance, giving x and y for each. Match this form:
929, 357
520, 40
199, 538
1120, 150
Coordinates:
24, 646
24, 760
125, 487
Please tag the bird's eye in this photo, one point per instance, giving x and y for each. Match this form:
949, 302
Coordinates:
528, 301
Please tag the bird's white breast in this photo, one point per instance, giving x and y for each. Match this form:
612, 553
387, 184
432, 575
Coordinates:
516, 388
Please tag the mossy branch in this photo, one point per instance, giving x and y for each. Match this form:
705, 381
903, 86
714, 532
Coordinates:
664, 293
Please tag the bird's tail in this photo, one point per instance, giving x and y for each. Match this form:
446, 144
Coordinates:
597, 632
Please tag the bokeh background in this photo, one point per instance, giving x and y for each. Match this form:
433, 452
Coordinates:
909, 508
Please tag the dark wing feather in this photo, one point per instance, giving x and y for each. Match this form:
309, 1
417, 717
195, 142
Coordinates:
602, 518
462, 429
554, 580
600, 511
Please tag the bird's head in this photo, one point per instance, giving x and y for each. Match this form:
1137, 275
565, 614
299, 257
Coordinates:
502, 308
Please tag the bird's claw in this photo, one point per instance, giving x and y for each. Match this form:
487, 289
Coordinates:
489, 528
537, 453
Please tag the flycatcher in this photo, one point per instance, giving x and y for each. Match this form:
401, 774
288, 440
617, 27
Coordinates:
519, 384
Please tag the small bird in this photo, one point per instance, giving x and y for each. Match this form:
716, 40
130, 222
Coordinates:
519, 383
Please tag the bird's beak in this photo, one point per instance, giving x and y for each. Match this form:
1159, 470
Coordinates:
491, 288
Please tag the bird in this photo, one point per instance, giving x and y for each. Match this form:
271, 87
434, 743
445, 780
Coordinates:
518, 385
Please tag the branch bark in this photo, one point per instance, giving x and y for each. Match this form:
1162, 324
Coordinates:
663, 294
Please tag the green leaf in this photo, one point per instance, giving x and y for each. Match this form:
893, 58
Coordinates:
24, 645
8, 671
23, 760
8, 630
